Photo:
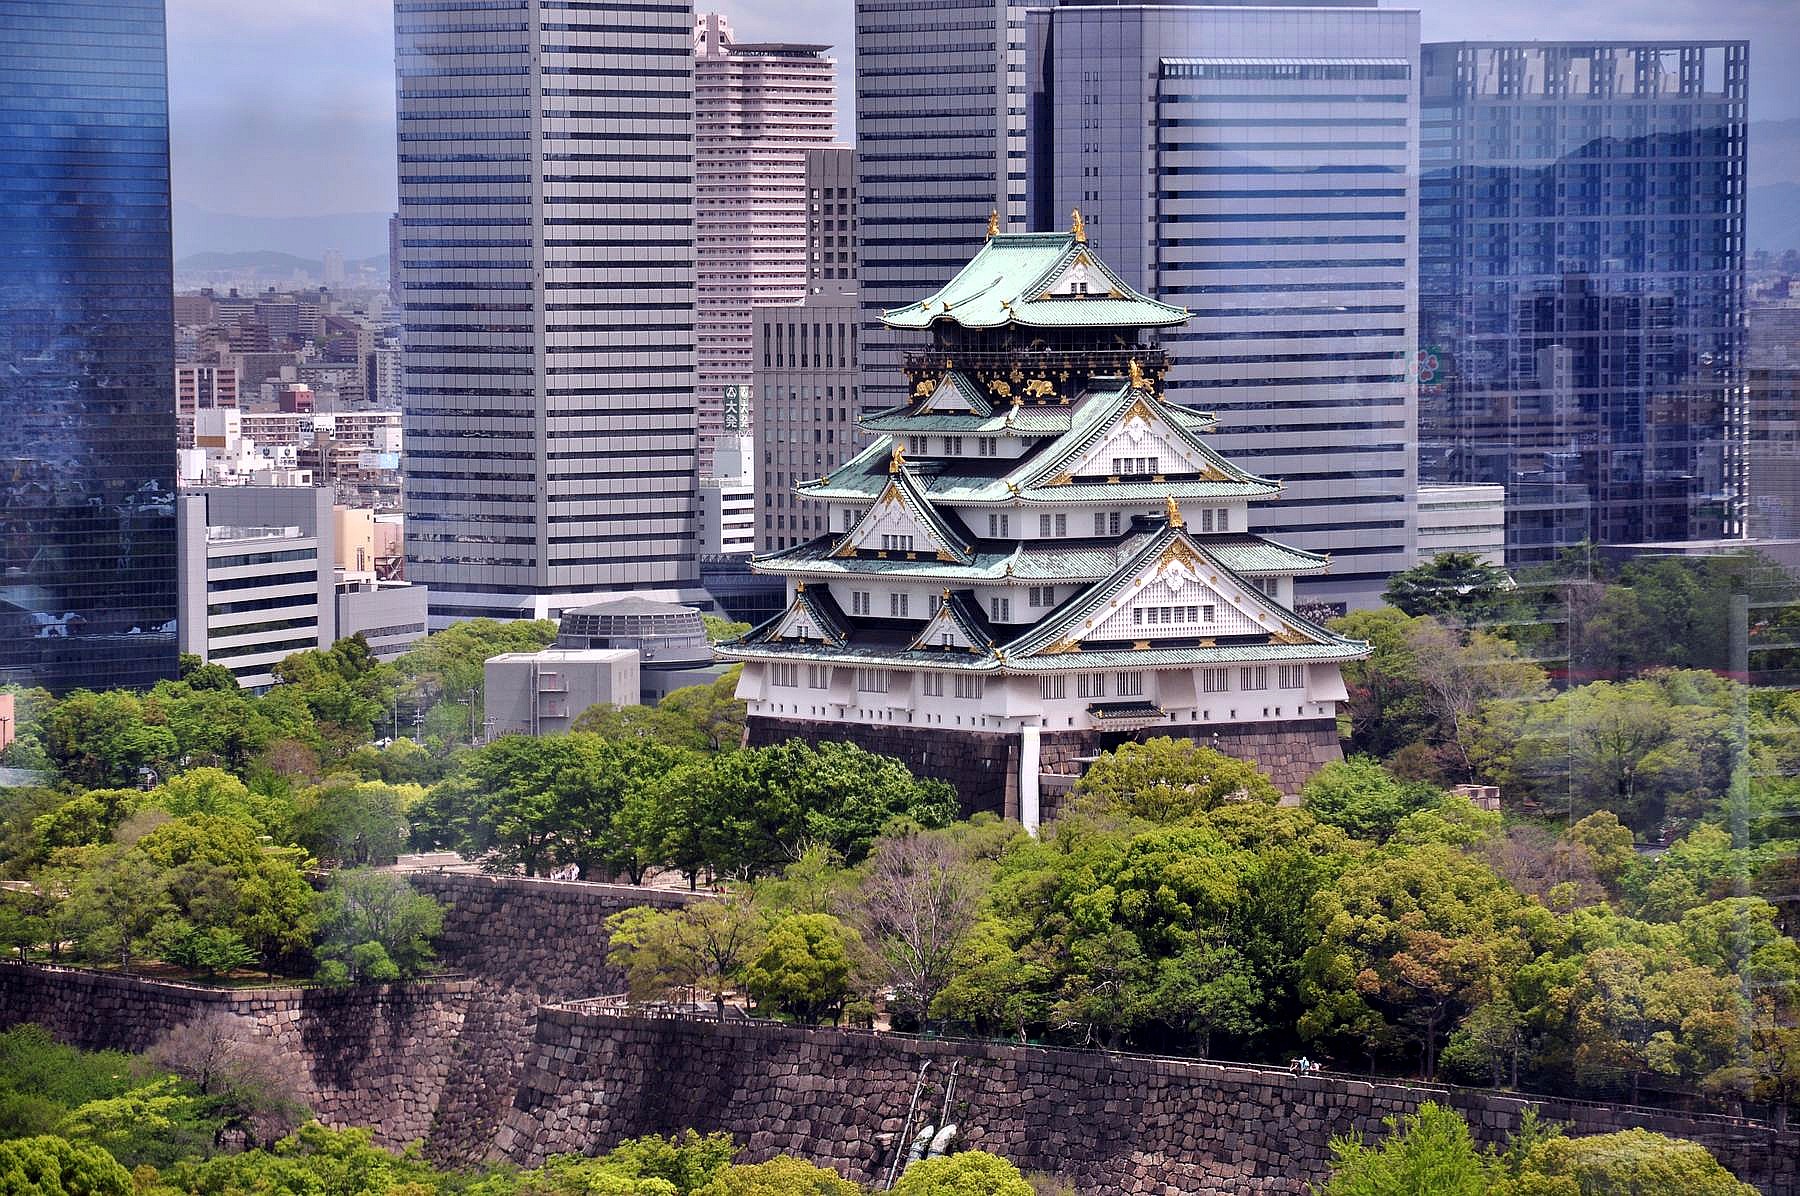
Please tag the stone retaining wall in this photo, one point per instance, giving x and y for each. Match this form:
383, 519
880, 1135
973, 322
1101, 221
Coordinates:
379, 1056
1109, 1124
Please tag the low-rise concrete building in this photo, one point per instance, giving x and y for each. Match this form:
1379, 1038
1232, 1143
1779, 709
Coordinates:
389, 615
1463, 518
542, 693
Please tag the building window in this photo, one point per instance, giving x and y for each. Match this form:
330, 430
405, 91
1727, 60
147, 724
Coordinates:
1090, 685
953, 446
897, 604
1256, 677
1209, 613
786, 675
859, 602
1044, 526
969, 687
1291, 676
872, 681
997, 524
896, 543
1224, 519
932, 685
818, 676
1206, 520
1000, 610
1215, 681
1265, 584
988, 446
1153, 616
1131, 685
1126, 466
1043, 595
1051, 688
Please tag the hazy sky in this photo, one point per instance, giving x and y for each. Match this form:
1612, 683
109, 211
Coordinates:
286, 107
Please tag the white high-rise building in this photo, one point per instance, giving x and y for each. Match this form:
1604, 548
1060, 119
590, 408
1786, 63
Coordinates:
1259, 166
546, 158
758, 106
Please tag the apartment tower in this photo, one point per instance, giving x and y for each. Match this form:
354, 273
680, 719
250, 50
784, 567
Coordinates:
758, 108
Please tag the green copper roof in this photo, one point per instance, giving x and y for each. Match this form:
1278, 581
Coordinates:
1038, 476
948, 538
1033, 562
1005, 282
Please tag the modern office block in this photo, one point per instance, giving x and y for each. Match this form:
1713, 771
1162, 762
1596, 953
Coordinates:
1258, 166
758, 107
807, 374
543, 693
940, 139
1469, 518
87, 347
391, 616
257, 576
546, 158
1582, 286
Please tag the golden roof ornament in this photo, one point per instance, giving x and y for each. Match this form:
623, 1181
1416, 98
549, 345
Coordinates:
1078, 227
897, 462
993, 224
1175, 519
1138, 380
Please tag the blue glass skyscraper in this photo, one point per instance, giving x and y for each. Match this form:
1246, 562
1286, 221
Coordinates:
87, 410
1582, 286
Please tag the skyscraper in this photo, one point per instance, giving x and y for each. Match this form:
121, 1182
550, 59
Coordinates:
806, 364
758, 108
546, 154
1259, 165
939, 97
1582, 285
87, 347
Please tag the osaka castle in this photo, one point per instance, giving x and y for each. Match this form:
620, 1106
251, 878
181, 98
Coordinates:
1040, 557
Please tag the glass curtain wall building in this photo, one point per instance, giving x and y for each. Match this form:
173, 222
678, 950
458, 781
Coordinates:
1582, 286
1259, 166
940, 141
87, 352
546, 160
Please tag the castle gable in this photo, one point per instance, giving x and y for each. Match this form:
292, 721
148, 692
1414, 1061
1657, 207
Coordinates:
901, 523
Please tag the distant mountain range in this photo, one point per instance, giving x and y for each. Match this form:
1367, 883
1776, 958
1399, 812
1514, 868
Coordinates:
267, 261
357, 235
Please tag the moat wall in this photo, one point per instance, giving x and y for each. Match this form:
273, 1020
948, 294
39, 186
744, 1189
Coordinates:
487, 1064
1107, 1123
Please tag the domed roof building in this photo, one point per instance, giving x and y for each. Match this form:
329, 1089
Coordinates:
1041, 557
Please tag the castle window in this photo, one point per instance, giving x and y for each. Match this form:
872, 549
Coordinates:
1254, 678
897, 543
872, 681
953, 446
1126, 466
1206, 520
969, 687
859, 602
1291, 676
1208, 613
784, 674
818, 676
1043, 595
998, 524
1106, 523
1224, 519
1051, 688
1131, 685
1090, 685
897, 604
932, 685
987, 446
1000, 610
1215, 681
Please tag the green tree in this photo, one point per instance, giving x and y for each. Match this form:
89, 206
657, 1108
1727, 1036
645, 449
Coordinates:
87, 819
916, 902
1633, 1162
198, 674
779, 1177
1170, 780
803, 967
1417, 937
685, 951
1427, 1153
105, 740
214, 951
970, 1173
354, 823
1457, 586
313, 1161
1363, 798
1387, 707
156, 1123
216, 793
373, 926
446, 669
53, 1166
